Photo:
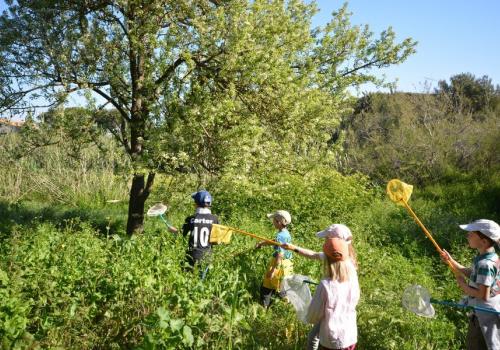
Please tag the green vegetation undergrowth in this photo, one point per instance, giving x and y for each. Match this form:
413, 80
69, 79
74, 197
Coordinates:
69, 284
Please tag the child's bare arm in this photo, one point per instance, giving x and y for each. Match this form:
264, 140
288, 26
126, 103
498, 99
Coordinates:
446, 257
261, 244
483, 292
303, 251
265, 243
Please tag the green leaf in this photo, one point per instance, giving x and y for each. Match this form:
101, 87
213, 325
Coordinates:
4, 278
176, 324
162, 314
187, 335
72, 309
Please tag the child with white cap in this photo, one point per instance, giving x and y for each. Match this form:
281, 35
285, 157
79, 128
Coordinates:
334, 303
333, 231
483, 287
281, 264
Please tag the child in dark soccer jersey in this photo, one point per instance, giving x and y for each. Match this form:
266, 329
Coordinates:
199, 226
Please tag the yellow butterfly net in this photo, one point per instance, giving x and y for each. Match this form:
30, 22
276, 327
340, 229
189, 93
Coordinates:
220, 234
398, 191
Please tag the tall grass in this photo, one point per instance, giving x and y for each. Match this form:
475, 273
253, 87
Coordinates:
50, 175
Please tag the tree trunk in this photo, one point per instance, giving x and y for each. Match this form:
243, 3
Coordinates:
139, 192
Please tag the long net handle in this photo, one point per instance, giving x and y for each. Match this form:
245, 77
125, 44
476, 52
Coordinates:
164, 219
428, 234
254, 236
479, 308
310, 282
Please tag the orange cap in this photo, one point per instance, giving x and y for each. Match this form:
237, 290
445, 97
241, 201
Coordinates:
336, 249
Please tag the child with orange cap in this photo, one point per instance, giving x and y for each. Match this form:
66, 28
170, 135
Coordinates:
333, 306
333, 231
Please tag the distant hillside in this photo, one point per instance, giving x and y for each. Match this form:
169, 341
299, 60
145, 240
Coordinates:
425, 137
8, 126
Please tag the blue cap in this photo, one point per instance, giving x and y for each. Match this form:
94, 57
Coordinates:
202, 197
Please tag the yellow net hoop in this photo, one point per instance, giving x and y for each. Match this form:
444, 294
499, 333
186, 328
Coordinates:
220, 234
398, 191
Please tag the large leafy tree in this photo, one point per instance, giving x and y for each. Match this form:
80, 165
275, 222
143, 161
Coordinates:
195, 85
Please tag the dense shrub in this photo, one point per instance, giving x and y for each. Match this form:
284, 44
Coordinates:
425, 137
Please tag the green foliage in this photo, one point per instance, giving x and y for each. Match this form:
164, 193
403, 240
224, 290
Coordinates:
197, 86
394, 253
300, 194
422, 138
70, 286
14, 313
73, 129
70, 277
466, 94
242, 98
88, 292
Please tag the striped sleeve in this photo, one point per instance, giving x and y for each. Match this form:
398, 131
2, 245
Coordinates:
486, 273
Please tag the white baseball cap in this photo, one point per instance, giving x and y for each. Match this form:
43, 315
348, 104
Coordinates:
282, 213
336, 231
488, 228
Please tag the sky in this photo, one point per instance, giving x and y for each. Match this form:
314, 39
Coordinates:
454, 36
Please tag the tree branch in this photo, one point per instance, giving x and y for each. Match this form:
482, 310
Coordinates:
149, 185
355, 69
169, 71
123, 113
